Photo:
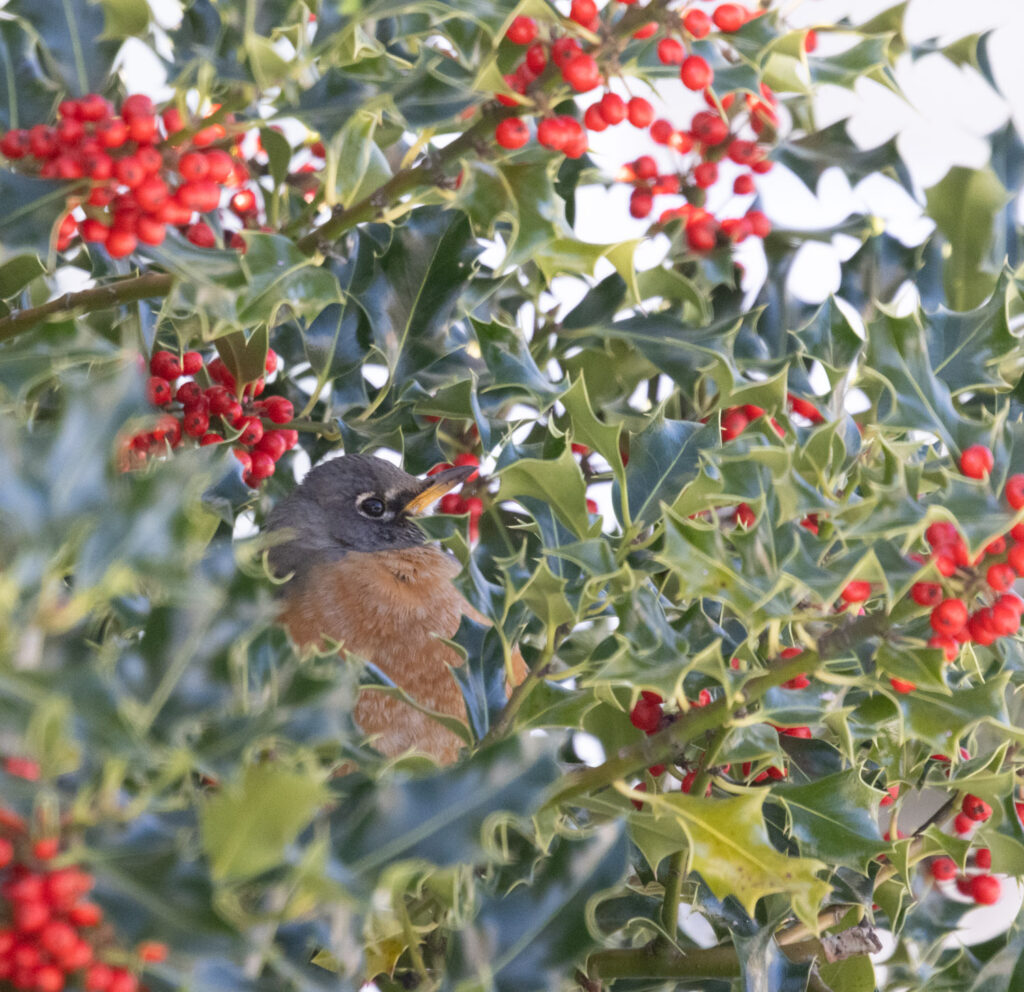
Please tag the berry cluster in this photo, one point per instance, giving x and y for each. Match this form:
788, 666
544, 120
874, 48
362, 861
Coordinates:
190, 409
739, 127
50, 933
985, 579
979, 884
144, 177
465, 501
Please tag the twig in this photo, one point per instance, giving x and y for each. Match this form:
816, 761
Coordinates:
112, 294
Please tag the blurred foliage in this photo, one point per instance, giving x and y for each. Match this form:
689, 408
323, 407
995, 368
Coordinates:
214, 781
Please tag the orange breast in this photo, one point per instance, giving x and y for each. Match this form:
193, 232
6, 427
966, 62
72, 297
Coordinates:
390, 608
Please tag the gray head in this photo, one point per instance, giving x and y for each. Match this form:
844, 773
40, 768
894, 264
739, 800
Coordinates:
353, 503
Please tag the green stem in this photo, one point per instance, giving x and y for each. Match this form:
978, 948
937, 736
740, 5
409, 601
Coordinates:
674, 875
112, 294
662, 961
519, 696
402, 182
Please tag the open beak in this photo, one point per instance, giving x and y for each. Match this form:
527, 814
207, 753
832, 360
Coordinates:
436, 486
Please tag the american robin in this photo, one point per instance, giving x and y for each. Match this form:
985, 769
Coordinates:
362, 574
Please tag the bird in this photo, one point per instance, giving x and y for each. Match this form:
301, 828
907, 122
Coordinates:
356, 570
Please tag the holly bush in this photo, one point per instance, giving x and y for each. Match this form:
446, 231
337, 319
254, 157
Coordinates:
759, 555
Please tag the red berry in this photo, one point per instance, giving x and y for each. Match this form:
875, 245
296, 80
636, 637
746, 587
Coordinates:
734, 423
552, 133
129, 171
273, 443
98, 977
152, 950
142, 129
705, 174
158, 391
57, 937
661, 131
671, 51
708, 128
649, 29
976, 461
642, 787
210, 438
15, 144
563, 50
949, 617
613, 108
244, 202
278, 409
536, 59
583, 12
856, 592
1015, 491
511, 133
729, 17
123, 981
743, 185
697, 23
468, 458
582, 73
151, 193
48, 978
646, 715
201, 235
946, 645
902, 685
219, 165
1001, 576
193, 166
202, 195
112, 132
262, 466
593, 119
252, 431
191, 362
121, 243
702, 235
963, 824
639, 111
93, 107
985, 889
640, 203
522, 30
137, 105
975, 808
760, 227
926, 593
195, 422
983, 858
695, 73
270, 362
943, 869
42, 141
94, 231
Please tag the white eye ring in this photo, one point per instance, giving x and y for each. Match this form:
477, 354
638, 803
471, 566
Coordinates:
371, 506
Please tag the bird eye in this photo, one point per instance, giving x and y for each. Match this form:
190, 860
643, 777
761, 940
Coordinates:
371, 506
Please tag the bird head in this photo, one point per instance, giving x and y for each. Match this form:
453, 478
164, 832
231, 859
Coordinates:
353, 503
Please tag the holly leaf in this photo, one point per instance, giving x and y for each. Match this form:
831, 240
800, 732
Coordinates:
246, 826
964, 205
833, 818
662, 460
727, 844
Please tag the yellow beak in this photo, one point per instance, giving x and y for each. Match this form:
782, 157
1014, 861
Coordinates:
436, 486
